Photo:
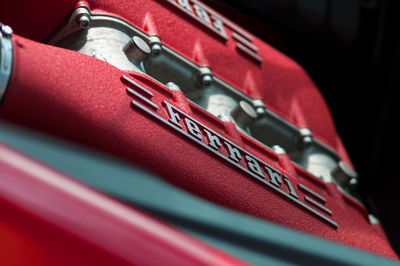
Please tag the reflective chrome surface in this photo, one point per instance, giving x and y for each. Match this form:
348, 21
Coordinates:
6, 58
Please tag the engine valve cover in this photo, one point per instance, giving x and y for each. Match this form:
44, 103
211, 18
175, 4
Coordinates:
177, 88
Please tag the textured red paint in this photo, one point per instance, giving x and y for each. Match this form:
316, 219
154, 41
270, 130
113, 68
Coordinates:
81, 98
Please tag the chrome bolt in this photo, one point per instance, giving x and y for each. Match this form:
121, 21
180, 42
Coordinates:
353, 183
82, 17
156, 49
206, 80
205, 76
259, 106
278, 149
84, 21
172, 86
305, 138
345, 176
5, 30
372, 219
155, 44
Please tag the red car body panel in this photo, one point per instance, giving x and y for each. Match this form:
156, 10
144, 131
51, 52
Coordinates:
49, 219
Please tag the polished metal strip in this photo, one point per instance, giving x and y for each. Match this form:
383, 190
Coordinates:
6, 58
306, 189
310, 200
142, 98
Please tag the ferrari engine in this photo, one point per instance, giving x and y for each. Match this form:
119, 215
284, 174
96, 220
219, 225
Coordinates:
182, 91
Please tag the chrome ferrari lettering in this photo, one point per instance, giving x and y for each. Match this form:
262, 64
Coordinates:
292, 192
213, 141
219, 25
202, 13
193, 129
254, 166
185, 4
274, 175
210, 19
174, 117
233, 154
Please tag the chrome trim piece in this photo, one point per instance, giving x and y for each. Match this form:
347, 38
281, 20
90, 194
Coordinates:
302, 187
6, 58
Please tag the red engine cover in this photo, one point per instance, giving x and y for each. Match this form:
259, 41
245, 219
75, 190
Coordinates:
81, 98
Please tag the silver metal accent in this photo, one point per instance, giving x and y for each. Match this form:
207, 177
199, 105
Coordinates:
320, 206
225, 117
353, 184
343, 174
176, 115
278, 149
106, 37
5, 30
372, 219
82, 16
6, 58
139, 96
205, 76
315, 194
305, 138
172, 86
259, 106
84, 21
155, 44
243, 114
143, 89
136, 49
